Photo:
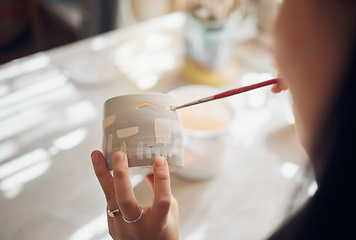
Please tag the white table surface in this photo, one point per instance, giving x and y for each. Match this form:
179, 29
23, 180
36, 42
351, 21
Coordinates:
50, 123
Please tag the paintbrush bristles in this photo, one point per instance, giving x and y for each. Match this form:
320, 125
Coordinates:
207, 99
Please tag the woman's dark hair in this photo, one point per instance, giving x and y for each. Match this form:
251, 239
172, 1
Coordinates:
331, 212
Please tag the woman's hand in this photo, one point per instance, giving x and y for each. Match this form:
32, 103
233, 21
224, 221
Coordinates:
158, 221
280, 86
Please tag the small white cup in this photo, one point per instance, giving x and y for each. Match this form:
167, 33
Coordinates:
142, 133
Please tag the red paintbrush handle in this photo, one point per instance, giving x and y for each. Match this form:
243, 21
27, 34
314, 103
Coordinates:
227, 93
245, 89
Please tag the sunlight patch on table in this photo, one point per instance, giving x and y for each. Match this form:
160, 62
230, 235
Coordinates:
8, 149
33, 90
97, 43
4, 89
19, 171
198, 234
145, 61
21, 122
147, 81
71, 139
80, 112
91, 230
155, 41
14, 69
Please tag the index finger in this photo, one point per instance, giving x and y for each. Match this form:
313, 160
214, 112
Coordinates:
279, 86
105, 178
123, 189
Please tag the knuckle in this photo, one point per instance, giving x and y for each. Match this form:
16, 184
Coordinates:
174, 201
127, 204
175, 205
163, 177
120, 172
110, 195
164, 202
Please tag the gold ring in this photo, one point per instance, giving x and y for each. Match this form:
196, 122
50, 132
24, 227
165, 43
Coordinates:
135, 220
114, 212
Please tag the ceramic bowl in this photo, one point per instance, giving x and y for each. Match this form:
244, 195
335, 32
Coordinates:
204, 129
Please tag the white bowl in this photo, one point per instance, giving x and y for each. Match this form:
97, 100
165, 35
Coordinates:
204, 125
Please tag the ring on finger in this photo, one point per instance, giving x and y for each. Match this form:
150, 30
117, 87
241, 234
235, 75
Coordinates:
113, 213
135, 220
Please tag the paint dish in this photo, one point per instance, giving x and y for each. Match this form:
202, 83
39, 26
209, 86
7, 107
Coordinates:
204, 128
142, 133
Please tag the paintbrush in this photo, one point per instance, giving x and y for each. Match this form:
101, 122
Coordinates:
208, 99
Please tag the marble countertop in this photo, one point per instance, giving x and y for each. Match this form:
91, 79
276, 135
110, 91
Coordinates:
50, 118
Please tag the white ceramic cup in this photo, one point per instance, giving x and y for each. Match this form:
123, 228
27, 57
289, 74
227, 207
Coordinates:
204, 126
142, 133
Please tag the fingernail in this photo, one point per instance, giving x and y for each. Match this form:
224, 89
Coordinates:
119, 156
159, 161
